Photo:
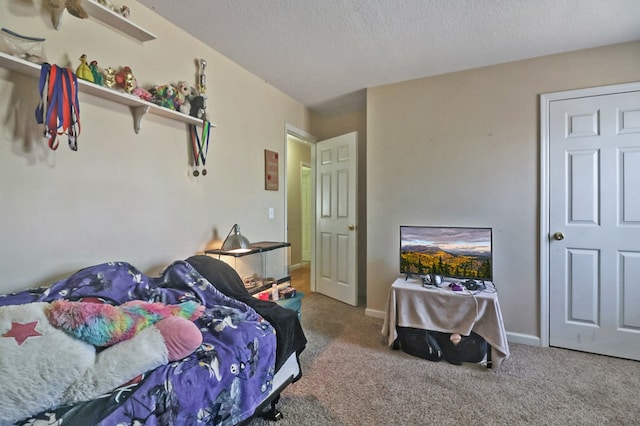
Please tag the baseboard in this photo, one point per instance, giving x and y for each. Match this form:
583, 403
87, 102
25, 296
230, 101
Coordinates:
525, 339
374, 313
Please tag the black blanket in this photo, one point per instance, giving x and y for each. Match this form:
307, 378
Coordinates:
290, 337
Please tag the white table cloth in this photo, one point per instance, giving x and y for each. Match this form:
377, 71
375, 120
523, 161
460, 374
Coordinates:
411, 304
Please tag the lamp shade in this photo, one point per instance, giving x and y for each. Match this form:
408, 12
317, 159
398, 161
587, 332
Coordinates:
235, 241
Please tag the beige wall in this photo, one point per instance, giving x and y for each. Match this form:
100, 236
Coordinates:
127, 196
462, 149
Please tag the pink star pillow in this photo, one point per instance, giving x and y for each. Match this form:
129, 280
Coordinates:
22, 331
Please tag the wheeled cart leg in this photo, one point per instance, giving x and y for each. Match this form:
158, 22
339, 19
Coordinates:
272, 414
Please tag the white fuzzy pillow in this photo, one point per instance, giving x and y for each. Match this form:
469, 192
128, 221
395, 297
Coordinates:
42, 367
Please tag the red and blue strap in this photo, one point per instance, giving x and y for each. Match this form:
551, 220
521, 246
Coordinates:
59, 108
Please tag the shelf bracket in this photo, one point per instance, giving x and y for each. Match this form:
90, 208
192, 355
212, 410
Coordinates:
138, 112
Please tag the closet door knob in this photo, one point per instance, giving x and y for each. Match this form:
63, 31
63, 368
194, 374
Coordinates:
558, 236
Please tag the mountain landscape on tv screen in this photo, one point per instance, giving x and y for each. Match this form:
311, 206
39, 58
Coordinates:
422, 260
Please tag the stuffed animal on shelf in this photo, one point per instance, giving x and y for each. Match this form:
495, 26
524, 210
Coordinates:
142, 93
198, 107
126, 81
49, 355
181, 101
74, 7
164, 96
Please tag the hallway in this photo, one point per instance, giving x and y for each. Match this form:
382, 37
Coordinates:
301, 278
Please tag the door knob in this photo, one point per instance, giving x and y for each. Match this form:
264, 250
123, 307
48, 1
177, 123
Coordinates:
558, 236
351, 227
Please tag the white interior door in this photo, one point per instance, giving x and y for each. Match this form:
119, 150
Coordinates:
336, 230
594, 224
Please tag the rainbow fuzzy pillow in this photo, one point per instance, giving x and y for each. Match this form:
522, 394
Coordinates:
104, 325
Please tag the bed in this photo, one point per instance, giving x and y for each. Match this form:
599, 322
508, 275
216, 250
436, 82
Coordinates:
248, 356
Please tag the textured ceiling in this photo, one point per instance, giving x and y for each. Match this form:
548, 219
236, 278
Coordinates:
324, 53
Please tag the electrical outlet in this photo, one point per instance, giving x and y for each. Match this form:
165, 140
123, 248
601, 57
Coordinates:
271, 213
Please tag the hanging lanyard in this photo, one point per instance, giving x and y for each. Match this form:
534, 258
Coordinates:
58, 109
200, 146
43, 89
71, 111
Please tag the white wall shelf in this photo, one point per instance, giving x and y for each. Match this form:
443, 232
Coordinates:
138, 106
110, 18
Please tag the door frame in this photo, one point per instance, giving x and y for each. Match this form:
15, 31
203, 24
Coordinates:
311, 140
545, 232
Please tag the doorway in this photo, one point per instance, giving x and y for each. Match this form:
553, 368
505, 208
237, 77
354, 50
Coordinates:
330, 166
300, 208
590, 220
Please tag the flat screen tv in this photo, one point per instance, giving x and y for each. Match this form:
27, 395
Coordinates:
457, 252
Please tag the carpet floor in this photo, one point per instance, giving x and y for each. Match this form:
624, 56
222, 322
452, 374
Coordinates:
350, 377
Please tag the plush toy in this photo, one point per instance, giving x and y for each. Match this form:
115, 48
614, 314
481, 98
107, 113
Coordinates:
181, 101
126, 81
74, 7
48, 350
164, 96
198, 107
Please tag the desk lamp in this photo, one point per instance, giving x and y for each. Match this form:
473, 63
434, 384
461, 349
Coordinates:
235, 241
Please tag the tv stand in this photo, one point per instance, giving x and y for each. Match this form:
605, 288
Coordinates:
410, 304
